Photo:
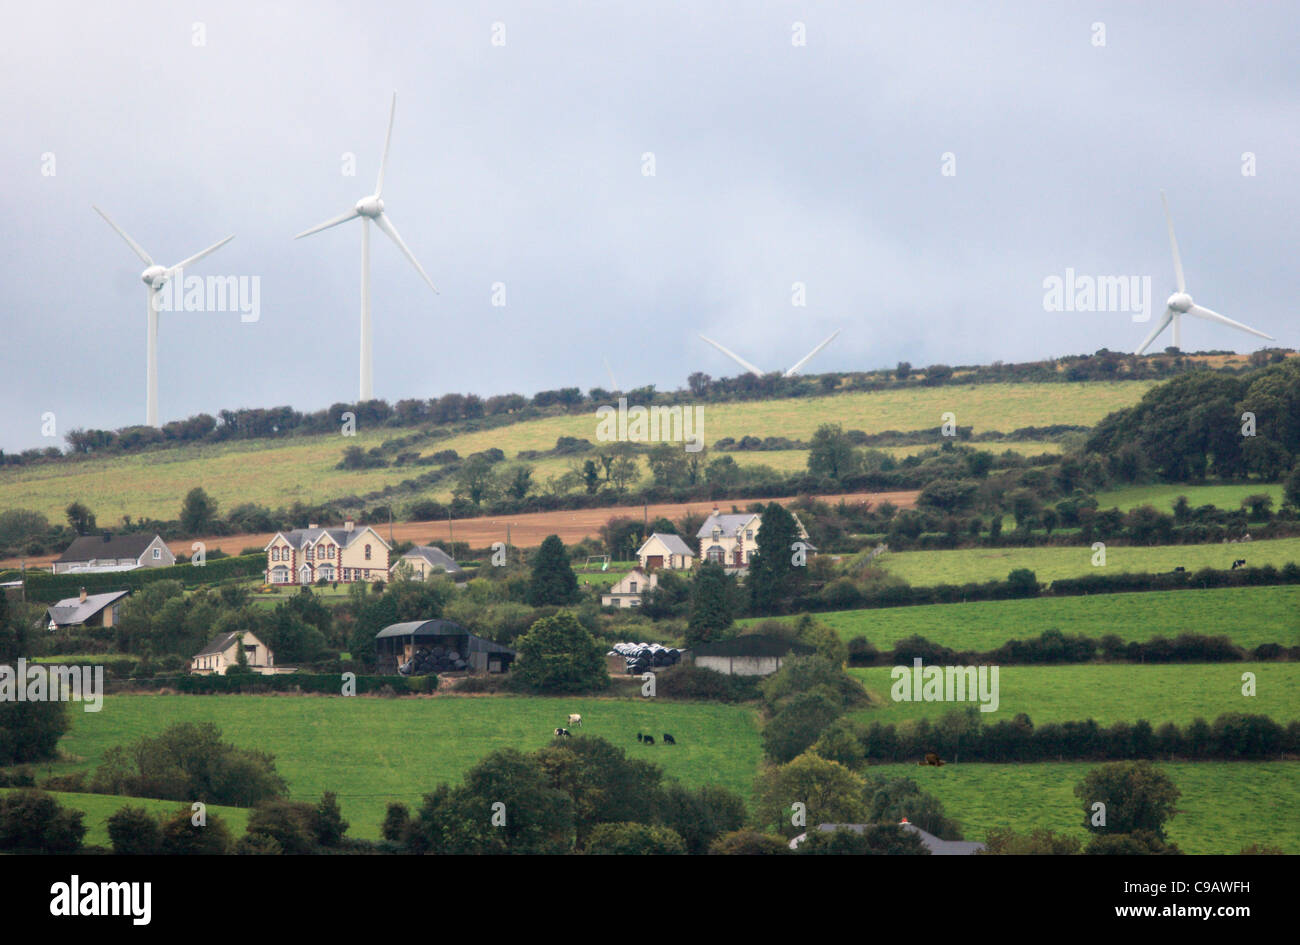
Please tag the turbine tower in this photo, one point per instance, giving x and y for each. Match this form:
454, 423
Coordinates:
758, 373
1180, 303
155, 277
368, 209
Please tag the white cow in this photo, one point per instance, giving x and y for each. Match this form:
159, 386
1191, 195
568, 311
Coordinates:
574, 719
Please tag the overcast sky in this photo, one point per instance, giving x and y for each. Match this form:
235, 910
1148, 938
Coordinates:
522, 163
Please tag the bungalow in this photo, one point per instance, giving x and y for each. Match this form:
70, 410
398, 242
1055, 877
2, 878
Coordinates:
752, 654
96, 553
223, 652
731, 540
426, 560
932, 843
665, 551
311, 554
627, 591
86, 610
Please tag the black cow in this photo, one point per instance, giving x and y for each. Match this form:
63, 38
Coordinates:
640, 737
649, 740
1179, 569
669, 740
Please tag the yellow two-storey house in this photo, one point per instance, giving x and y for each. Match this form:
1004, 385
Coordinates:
311, 554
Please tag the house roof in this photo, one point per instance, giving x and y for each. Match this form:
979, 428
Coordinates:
435, 557
302, 537
221, 643
673, 543
729, 523
936, 846
98, 547
754, 644
73, 610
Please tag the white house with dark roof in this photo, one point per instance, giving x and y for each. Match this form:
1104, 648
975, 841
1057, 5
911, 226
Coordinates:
223, 653
107, 552
311, 554
731, 539
661, 550
427, 560
628, 590
86, 610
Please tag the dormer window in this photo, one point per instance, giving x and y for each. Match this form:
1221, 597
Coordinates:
717, 532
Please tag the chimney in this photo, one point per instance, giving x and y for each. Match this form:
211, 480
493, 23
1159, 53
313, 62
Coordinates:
82, 598
715, 510
348, 525
313, 525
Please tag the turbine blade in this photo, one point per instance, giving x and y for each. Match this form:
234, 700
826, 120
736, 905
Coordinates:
735, 357
809, 356
144, 257
1164, 322
1200, 311
383, 164
197, 256
1173, 243
341, 218
613, 383
384, 223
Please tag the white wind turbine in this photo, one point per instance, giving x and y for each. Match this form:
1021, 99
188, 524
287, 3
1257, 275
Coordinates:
372, 208
756, 372
155, 277
1180, 303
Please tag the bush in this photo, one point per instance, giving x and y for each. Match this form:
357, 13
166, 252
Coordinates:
749, 843
688, 681
34, 822
624, 839
181, 836
134, 831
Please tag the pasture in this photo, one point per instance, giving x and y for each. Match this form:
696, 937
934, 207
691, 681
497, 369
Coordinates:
963, 565
1224, 806
277, 473
1163, 496
372, 751
99, 807
1249, 616
1108, 693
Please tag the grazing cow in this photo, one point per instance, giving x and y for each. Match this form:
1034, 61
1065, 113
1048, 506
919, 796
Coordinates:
575, 719
1239, 563
561, 733
640, 737
932, 760
669, 740
649, 740
1179, 569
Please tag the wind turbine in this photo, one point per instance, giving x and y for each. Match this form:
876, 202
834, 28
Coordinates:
1180, 303
368, 209
155, 277
756, 372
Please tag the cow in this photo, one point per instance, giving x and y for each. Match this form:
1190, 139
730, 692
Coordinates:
1239, 563
640, 737
669, 740
1179, 570
932, 760
561, 733
649, 740
575, 719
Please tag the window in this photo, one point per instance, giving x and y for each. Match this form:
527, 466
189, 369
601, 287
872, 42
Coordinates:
749, 534
367, 557
633, 590
716, 554
157, 553
717, 532
310, 552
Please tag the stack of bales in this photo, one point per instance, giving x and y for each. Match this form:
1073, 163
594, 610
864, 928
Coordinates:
642, 657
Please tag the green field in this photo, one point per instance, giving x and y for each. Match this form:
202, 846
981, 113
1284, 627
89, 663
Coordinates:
1223, 807
1249, 616
372, 750
1108, 693
963, 565
1163, 497
99, 807
278, 473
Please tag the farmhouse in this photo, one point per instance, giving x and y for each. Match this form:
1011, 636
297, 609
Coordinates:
311, 554
665, 551
627, 591
426, 560
86, 610
731, 540
98, 553
932, 843
754, 654
223, 653
423, 646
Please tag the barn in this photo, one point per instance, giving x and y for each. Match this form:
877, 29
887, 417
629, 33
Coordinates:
754, 654
422, 646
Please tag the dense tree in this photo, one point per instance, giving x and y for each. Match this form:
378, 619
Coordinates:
634, 839
34, 822
558, 654
134, 831
182, 836
30, 731
830, 793
1002, 841
553, 581
1137, 795
80, 518
799, 722
711, 607
198, 512
699, 815
871, 840
831, 454
605, 785
773, 577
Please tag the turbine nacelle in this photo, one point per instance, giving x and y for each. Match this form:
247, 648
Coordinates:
370, 206
154, 276
1179, 302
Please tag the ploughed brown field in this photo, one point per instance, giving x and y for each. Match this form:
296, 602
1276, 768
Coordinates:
526, 530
